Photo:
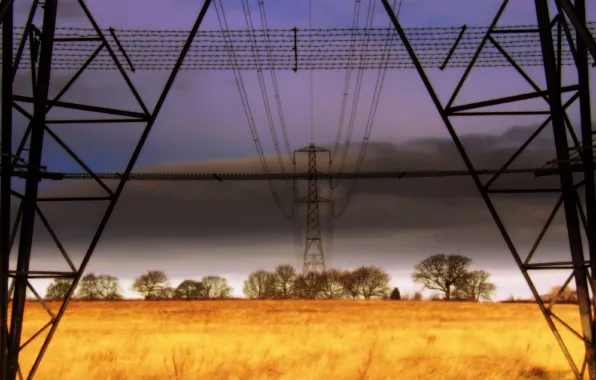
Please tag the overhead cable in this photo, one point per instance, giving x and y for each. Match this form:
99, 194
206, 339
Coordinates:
321, 49
244, 98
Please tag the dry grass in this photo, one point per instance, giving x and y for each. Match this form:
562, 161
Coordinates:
300, 340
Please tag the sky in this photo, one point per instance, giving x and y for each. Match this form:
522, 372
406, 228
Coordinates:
233, 228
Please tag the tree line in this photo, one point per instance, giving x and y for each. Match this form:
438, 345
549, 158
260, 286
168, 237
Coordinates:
449, 276
151, 285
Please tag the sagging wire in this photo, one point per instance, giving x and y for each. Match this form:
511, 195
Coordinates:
262, 84
360, 75
346, 83
373, 111
220, 12
277, 96
276, 93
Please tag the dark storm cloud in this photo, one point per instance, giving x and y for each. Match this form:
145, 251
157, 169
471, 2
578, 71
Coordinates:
226, 211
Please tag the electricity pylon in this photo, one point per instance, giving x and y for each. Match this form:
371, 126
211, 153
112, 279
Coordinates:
314, 254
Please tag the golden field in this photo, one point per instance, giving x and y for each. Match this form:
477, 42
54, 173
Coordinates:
300, 340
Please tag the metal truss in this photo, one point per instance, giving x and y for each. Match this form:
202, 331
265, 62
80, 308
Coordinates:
25, 162
28, 155
580, 267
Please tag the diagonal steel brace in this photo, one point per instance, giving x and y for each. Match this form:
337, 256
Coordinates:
4, 7
580, 27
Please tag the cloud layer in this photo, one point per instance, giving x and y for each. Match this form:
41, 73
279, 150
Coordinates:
235, 226
183, 211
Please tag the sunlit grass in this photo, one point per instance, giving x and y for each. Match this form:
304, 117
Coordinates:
300, 340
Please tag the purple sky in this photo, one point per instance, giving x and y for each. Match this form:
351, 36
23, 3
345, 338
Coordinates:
233, 229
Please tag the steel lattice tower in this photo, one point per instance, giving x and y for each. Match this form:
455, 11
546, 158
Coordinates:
314, 254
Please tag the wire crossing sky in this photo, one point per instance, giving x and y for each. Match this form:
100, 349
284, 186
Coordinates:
319, 49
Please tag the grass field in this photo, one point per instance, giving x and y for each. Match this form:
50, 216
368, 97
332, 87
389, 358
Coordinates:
300, 340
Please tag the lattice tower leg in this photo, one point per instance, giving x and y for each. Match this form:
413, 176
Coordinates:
29, 202
39, 128
570, 200
568, 189
5, 180
583, 69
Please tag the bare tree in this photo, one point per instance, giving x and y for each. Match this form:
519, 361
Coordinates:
351, 283
58, 289
88, 287
259, 285
108, 287
165, 293
308, 285
215, 287
441, 272
284, 276
189, 290
567, 295
475, 286
331, 285
102, 287
150, 283
372, 282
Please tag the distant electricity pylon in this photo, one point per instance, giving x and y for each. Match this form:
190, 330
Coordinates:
314, 254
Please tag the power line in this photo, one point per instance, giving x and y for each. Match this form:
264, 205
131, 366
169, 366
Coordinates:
276, 93
318, 48
359, 78
347, 82
371, 117
262, 84
272, 176
244, 98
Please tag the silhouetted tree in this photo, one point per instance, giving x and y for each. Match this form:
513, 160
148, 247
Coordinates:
215, 287
307, 285
150, 283
58, 289
567, 295
474, 286
441, 272
259, 285
165, 293
372, 281
351, 283
189, 290
109, 287
102, 287
87, 288
395, 295
285, 276
331, 285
